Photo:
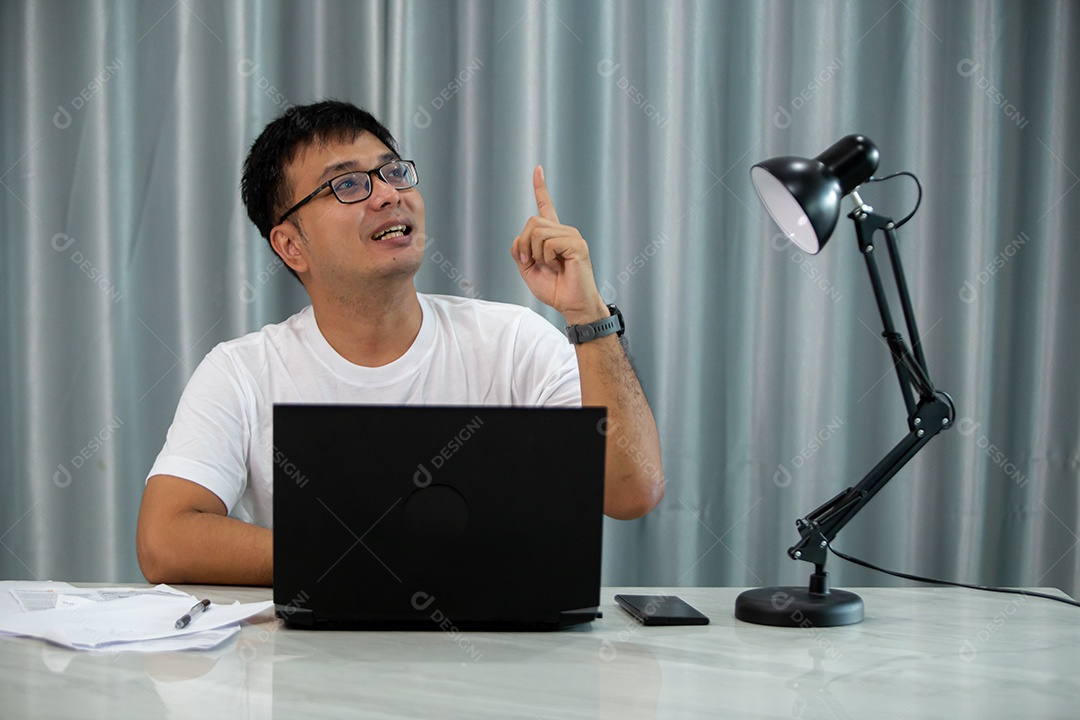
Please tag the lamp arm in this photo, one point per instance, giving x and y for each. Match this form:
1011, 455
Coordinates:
910, 364
916, 374
905, 296
929, 415
819, 527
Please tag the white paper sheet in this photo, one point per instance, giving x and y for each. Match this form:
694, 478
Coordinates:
138, 622
45, 598
202, 640
9, 604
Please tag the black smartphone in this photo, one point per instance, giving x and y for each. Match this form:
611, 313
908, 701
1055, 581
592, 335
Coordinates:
661, 610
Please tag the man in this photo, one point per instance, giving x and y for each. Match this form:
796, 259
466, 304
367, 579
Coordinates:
325, 185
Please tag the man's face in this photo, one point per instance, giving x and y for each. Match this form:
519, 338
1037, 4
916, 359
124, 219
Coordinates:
344, 247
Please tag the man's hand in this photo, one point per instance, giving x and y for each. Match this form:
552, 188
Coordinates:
553, 260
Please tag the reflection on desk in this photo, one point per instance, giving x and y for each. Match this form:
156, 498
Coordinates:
921, 652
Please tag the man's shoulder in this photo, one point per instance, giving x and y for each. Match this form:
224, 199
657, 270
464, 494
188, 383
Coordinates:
455, 307
490, 323
284, 333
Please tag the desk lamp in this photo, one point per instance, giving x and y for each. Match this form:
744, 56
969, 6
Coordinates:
803, 197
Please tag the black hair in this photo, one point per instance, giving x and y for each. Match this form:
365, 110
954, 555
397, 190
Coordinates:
264, 186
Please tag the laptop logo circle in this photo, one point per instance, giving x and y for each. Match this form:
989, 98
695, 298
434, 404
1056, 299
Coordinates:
436, 514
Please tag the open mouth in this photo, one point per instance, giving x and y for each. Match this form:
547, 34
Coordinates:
394, 231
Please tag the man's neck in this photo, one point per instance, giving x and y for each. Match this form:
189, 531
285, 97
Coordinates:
370, 330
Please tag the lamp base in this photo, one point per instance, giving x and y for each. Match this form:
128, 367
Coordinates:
816, 606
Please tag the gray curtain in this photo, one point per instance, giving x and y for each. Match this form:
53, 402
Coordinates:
127, 253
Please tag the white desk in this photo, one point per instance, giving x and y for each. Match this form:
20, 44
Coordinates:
920, 653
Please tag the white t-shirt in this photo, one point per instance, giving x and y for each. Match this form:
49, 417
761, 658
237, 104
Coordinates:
468, 352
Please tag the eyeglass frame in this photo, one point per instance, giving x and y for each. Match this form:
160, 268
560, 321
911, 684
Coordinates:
369, 173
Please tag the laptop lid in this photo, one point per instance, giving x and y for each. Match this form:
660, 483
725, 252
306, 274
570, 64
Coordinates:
425, 517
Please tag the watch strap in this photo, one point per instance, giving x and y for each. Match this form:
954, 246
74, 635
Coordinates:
578, 334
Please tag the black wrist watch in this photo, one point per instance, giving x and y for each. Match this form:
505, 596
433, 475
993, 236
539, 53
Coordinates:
578, 334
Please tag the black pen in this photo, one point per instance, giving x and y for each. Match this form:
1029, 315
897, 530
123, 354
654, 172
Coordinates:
186, 617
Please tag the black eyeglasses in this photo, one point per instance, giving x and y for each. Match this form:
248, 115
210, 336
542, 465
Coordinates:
354, 187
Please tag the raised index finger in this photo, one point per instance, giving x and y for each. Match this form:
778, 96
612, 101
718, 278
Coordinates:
544, 207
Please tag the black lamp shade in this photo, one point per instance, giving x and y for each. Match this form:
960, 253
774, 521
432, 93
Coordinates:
803, 196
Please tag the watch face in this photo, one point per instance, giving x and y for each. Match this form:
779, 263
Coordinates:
617, 313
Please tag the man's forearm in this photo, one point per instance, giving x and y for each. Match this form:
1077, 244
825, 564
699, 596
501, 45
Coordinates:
206, 548
634, 480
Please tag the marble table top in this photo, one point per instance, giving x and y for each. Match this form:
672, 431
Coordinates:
920, 653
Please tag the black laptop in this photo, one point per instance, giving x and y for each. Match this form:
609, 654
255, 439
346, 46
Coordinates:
424, 517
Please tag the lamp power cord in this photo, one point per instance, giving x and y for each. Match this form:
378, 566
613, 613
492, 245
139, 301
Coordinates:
934, 581
918, 186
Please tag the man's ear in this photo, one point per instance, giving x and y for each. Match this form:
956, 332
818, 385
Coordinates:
286, 241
